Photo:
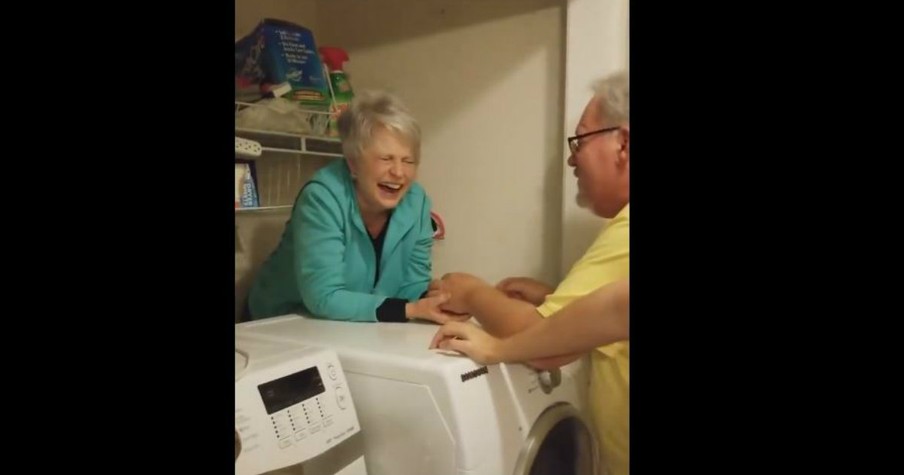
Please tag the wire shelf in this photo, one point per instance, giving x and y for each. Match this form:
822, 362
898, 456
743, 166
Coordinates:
294, 144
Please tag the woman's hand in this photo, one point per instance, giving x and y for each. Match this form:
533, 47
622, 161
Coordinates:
429, 308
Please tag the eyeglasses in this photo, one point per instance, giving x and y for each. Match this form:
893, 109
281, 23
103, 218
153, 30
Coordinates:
574, 143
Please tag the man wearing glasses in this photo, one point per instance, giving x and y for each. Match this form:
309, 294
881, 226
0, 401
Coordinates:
600, 158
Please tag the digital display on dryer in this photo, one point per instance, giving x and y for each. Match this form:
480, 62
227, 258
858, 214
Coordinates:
290, 390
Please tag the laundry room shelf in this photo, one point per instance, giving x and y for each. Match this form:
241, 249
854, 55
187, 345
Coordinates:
290, 142
293, 144
283, 160
264, 209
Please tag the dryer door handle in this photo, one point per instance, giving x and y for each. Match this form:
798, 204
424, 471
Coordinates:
550, 379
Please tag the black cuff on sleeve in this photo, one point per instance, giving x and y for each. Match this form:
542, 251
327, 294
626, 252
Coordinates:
392, 310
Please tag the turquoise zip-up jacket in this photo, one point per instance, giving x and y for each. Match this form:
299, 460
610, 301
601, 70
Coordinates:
325, 263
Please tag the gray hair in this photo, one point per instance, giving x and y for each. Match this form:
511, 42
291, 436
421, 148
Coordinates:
612, 92
370, 110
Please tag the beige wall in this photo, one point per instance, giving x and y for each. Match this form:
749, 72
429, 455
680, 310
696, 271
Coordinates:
485, 80
249, 12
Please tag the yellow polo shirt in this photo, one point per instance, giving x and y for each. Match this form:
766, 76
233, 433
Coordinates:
604, 262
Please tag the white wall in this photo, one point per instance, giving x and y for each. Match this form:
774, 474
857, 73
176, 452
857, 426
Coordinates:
597, 44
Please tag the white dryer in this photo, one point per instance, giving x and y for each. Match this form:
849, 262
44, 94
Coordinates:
423, 411
293, 412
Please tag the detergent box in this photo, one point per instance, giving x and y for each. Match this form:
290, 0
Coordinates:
282, 58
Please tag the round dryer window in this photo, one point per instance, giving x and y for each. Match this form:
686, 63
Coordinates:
560, 443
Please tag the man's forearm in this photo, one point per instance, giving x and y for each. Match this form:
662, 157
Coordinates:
498, 314
597, 319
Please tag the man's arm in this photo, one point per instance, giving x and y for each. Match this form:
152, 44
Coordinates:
499, 315
525, 288
599, 318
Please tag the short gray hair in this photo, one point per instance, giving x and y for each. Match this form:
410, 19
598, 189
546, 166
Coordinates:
372, 109
612, 92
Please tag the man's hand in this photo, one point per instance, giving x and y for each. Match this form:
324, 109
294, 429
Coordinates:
524, 288
466, 338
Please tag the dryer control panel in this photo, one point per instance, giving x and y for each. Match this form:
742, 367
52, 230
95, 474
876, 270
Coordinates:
291, 404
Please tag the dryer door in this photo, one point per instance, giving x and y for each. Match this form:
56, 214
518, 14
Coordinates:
560, 442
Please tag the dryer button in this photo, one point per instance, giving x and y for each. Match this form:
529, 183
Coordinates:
341, 397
